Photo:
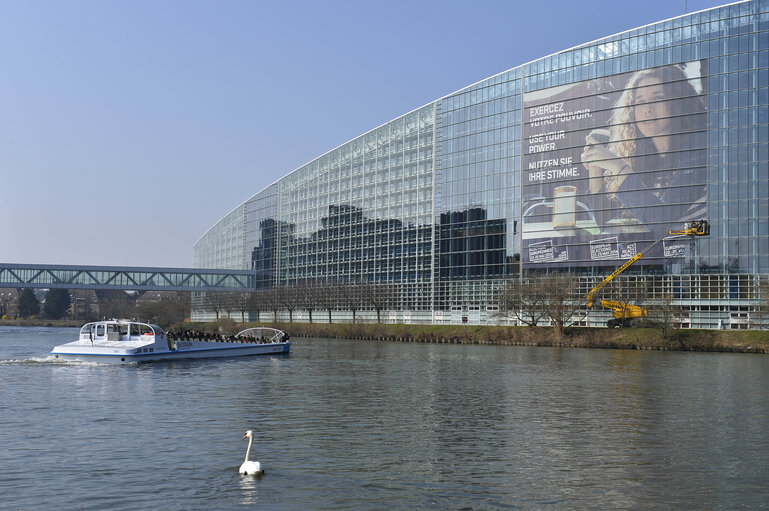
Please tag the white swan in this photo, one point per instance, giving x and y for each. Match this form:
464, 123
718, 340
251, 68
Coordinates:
252, 468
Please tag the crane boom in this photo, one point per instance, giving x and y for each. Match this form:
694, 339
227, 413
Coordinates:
695, 228
622, 268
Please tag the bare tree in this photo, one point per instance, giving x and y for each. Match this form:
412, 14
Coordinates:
378, 296
242, 302
664, 315
306, 294
215, 302
271, 300
115, 303
179, 307
230, 303
561, 299
286, 296
327, 297
170, 309
255, 303
350, 296
524, 299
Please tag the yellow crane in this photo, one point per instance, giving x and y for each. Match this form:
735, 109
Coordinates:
624, 313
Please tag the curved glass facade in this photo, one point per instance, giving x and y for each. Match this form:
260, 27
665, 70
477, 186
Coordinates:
573, 162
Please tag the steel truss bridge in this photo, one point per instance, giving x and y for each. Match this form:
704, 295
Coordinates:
116, 277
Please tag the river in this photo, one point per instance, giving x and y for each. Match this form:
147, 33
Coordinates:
368, 425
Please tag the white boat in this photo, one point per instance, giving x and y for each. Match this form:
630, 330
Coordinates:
122, 341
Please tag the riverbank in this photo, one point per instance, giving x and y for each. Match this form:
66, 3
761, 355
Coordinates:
43, 322
737, 341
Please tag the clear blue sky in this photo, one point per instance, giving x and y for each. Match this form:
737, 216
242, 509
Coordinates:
128, 128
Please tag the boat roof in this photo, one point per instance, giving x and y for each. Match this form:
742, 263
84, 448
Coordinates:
156, 328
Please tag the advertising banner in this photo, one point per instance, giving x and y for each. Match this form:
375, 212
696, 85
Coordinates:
611, 164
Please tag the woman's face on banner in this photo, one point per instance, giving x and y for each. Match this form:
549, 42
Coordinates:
651, 108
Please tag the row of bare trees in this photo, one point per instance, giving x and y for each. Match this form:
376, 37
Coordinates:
305, 296
555, 297
560, 299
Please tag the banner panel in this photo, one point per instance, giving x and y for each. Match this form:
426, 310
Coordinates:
611, 164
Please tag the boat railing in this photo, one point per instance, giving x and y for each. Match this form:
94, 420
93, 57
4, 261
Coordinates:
249, 335
263, 333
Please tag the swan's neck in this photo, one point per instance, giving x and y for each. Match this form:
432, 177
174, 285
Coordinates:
248, 450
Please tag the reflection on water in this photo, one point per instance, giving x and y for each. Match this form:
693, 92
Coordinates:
249, 489
352, 425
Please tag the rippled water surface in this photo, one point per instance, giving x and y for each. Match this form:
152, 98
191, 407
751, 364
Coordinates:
373, 425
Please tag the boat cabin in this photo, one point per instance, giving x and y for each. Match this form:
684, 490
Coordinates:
115, 331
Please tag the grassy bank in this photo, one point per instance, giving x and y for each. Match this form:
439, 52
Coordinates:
42, 322
740, 341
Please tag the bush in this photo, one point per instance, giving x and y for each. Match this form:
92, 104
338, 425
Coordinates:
228, 326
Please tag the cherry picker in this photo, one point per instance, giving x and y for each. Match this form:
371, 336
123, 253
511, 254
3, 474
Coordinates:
625, 314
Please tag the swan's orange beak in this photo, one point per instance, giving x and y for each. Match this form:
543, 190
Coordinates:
244, 436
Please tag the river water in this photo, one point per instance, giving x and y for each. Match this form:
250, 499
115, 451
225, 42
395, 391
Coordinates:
371, 425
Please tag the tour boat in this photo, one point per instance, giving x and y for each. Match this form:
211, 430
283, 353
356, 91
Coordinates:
122, 341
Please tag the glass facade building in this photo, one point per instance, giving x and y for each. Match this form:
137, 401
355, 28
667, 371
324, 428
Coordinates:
573, 162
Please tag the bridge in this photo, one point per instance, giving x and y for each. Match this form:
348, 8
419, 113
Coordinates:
115, 277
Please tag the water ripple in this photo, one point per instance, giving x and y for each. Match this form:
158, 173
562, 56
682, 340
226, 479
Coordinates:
352, 425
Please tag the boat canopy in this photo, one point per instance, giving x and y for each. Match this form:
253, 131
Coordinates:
259, 332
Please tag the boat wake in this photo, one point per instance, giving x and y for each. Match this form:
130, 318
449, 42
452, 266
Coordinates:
47, 360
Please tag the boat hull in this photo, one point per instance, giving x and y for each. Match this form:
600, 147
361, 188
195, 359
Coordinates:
191, 350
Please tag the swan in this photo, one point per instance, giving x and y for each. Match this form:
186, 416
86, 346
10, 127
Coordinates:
252, 468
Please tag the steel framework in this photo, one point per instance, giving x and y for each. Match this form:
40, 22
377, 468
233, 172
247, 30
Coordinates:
115, 277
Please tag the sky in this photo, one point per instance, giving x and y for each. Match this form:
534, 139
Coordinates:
129, 128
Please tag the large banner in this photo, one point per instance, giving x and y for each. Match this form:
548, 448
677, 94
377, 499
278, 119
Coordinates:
611, 164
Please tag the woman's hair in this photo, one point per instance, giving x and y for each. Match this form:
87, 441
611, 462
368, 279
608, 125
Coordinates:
683, 104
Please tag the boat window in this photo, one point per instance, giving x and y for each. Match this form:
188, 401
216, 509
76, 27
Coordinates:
123, 329
88, 331
142, 329
100, 330
137, 329
113, 332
